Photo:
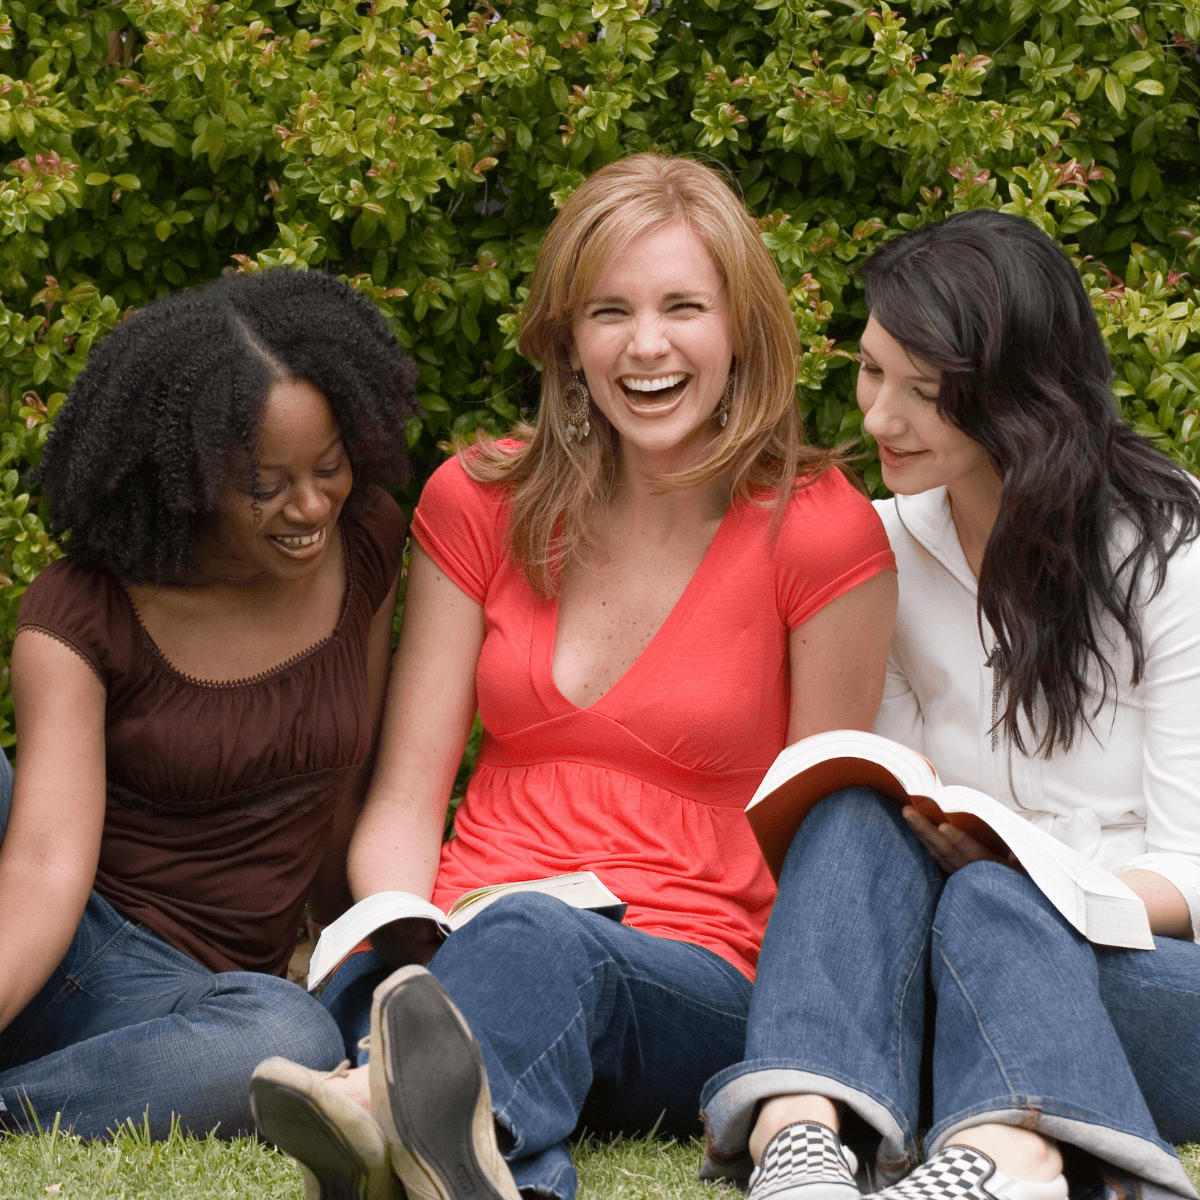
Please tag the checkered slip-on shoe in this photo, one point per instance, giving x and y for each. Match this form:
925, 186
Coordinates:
429, 1093
964, 1173
804, 1161
340, 1149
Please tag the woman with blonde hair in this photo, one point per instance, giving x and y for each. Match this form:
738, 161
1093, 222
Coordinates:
646, 595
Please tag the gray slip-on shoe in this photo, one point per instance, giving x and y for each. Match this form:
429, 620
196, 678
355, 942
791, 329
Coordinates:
429, 1093
341, 1150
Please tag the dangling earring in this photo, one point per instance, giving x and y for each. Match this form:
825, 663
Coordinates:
577, 401
724, 403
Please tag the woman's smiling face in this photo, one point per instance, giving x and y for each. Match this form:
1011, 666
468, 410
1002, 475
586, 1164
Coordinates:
918, 448
285, 526
653, 340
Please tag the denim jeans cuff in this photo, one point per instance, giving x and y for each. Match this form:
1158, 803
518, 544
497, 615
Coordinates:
730, 1104
550, 1174
1158, 1173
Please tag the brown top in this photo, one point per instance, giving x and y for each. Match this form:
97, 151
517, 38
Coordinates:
220, 795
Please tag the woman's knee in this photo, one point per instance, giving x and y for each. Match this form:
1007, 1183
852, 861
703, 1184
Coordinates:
525, 936
520, 917
851, 829
986, 903
259, 1016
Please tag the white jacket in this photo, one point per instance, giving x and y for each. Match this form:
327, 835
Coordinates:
1127, 794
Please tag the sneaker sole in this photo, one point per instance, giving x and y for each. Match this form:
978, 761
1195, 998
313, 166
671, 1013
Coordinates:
815, 1191
437, 1093
333, 1169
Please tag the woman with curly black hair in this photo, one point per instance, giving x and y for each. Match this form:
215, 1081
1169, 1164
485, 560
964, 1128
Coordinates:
198, 686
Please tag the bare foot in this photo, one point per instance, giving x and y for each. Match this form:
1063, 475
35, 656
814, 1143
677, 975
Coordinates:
354, 1085
780, 1111
1021, 1153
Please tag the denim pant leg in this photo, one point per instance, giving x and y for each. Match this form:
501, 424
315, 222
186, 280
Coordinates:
1022, 1034
128, 1025
1153, 1001
839, 1003
6, 786
569, 1006
347, 998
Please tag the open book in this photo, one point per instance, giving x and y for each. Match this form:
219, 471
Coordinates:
580, 889
1095, 901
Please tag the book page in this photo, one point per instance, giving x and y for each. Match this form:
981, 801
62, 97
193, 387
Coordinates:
1094, 900
580, 889
912, 771
805, 773
360, 921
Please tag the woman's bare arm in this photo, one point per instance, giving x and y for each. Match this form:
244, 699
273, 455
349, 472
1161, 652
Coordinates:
427, 719
839, 659
52, 845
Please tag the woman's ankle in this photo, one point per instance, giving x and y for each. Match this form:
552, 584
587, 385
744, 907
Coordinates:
1020, 1153
354, 1085
778, 1112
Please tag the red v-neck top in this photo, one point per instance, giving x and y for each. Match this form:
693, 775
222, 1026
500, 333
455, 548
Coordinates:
647, 786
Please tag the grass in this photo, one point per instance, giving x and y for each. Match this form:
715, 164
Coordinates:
132, 1167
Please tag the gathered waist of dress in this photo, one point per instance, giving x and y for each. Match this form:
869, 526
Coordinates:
586, 737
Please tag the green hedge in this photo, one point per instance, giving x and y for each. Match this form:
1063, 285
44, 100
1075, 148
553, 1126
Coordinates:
420, 151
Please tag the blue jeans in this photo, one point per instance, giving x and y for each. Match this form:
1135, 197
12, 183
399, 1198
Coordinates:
128, 1025
1033, 1026
583, 1023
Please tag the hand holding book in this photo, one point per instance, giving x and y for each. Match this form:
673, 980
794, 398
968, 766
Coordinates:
1093, 900
951, 847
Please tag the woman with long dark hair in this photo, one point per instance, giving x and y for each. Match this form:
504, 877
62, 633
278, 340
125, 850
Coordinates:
1046, 652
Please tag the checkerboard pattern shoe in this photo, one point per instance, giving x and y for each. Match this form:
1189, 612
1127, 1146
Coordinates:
340, 1148
804, 1161
964, 1173
429, 1093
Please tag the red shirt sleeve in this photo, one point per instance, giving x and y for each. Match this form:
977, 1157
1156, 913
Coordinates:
460, 523
832, 540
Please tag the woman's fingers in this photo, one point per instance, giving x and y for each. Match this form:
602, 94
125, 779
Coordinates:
931, 837
947, 845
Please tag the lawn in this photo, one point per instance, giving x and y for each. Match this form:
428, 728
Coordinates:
131, 1167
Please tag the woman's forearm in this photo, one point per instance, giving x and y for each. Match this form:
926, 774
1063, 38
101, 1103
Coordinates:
1165, 906
42, 906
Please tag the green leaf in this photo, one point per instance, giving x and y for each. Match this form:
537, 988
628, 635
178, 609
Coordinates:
1114, 89
158, 133
1144, 179
1142, 134
1088, 84
95, 178
1139, 60
1151, 87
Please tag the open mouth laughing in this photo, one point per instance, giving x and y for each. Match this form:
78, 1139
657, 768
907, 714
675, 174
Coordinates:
646, 391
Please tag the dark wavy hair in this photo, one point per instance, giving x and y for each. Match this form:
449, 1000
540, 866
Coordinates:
1000, 309
171, 401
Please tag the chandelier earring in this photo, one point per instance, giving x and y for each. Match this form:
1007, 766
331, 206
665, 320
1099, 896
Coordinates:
723, 405
577, 401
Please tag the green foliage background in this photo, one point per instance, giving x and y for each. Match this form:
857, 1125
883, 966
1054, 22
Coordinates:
420, 150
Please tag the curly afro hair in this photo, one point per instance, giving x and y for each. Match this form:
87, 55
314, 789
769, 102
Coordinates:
171, 401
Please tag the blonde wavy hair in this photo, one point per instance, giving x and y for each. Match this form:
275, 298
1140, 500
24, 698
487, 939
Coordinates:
558, 484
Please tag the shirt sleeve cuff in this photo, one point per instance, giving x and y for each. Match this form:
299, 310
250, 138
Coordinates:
1178, 870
